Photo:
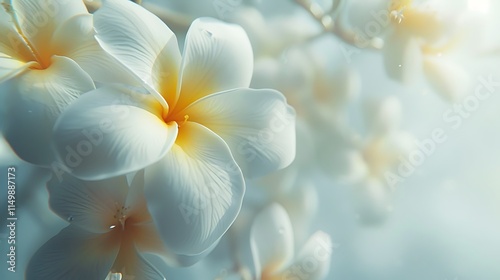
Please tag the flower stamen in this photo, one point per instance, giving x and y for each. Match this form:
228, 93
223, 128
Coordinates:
398, 15
120, 215
186, 118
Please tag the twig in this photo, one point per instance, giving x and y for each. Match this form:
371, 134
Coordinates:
331, 24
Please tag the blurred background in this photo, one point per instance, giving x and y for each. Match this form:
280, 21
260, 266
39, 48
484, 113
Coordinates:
371, 81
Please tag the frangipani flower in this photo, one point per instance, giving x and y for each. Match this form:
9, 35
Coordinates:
110, 230
382, 150
273, 250
412, 26
192, 134
273, 30
385, 141
318, 87
44, 50
418, 43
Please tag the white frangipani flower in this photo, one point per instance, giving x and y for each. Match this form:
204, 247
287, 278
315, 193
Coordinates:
192, 134
48, 57
301, 204
272, 244
382, 150
276, 31
385, 141
110, 230
411, 27
419, 43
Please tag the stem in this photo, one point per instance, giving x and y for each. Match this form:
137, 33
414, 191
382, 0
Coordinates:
331, 24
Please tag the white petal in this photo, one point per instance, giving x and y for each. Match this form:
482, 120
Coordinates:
195, 192
448, 78
313, 261
428, 25
112, 131
189, 260
144, 270
39, 19
74, 254
37, 100
147, 238
340, 157
383, 115
217, 56
132, 265
372, 200
10, 67
402, 57
258, 126
89, 205
75, 39
142, 42
12, 43
136, 202
301, 204
271, 238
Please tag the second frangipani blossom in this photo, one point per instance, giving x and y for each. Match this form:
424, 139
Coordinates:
197, 130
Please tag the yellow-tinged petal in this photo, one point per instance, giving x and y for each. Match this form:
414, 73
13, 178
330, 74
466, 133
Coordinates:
143, 43
217, 56
76, 40
313, 260
195, 192
38, 20
36, 99
402, 57
112, 131
10, 67
448, 78
423, 24
257, 125
11, 42
271, 240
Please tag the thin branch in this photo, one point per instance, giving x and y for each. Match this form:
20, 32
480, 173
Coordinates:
330, 23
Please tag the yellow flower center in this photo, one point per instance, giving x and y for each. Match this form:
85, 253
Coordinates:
397, 9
